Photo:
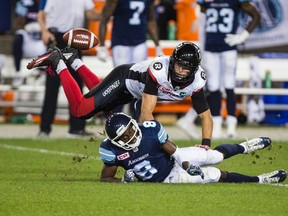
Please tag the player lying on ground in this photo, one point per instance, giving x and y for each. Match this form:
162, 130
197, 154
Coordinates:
170, 78
145, 151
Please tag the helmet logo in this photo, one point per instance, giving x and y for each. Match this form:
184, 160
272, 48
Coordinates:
203, 75
157, 66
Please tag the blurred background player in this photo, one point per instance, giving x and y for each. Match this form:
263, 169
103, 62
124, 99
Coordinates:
220, 55
131, 22
165, 15
56, 18
27, 41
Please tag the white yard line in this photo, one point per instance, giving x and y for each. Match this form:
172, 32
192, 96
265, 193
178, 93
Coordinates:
45, 151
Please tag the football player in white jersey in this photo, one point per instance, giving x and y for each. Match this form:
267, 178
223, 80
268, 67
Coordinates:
146, 152
220, 55
169, 78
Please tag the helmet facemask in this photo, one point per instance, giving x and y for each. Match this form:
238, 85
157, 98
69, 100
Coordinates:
125, 134
188, 56
177, 78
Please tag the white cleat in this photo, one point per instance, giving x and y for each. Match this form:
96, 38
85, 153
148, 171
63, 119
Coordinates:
273, 177
256, 144
217, 127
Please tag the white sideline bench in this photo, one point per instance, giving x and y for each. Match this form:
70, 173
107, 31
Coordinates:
277, 67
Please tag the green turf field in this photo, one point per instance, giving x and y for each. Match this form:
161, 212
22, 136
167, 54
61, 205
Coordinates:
61, 177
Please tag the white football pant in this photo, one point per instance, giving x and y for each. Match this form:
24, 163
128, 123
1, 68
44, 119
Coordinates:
220, 70
129, 54
200, 157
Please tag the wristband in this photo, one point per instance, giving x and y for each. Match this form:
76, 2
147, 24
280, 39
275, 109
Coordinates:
206, 142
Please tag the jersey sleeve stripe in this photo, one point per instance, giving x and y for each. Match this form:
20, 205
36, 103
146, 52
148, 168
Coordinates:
106, 155
162, 135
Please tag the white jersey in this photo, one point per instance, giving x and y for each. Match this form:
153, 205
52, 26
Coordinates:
65, 14
158, 70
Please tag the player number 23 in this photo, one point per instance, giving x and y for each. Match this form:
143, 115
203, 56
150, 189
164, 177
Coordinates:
212, 22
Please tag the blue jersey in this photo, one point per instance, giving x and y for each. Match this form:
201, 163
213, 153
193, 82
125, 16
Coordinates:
130, 22
149, 163
27, 9
221, 19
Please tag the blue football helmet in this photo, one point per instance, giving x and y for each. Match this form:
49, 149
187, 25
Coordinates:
188, 56
117, 124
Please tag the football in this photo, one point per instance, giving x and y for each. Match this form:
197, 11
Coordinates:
80, 38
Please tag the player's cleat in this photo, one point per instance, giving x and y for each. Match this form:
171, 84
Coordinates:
217, 127
51, 58
273, 177
256, 144
231, 126
70, 54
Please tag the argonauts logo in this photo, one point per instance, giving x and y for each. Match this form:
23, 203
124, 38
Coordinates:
271, 13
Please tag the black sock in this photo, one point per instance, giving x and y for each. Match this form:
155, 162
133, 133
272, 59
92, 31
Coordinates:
17, 50
229, 150
239, 178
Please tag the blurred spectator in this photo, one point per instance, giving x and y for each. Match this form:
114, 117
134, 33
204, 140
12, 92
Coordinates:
256, 109
5, 16
220, 55
131, 21
255, 106
2, 63
55, 18
27, 41
165, 16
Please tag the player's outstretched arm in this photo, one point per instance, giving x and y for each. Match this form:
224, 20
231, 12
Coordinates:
148, 104
108, 174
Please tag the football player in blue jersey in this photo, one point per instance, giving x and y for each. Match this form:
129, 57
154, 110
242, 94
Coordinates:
220, 55
132, 20
27, 41
146, 152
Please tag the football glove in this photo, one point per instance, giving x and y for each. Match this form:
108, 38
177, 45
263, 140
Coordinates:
194, 170
128, 176
102, 53
235, 39
159, 51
